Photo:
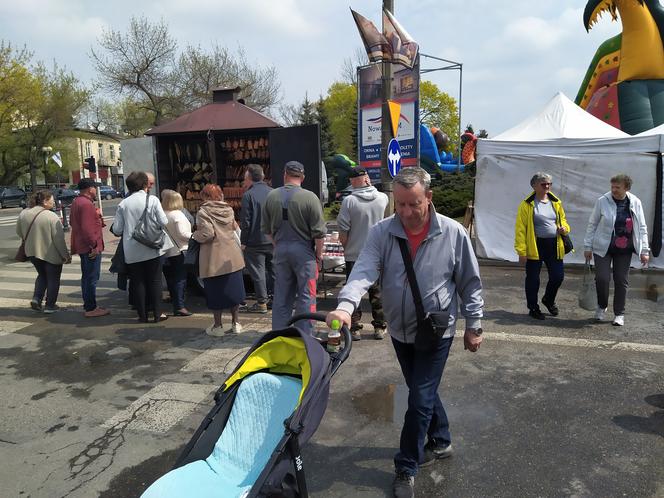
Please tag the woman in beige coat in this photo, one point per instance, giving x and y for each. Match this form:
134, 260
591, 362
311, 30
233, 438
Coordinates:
220, 259
46, 248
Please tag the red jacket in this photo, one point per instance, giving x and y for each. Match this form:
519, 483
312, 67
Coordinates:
86, 226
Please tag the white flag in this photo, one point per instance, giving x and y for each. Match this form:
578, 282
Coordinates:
58, 160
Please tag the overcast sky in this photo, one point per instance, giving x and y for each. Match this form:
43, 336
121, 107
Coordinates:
516, 55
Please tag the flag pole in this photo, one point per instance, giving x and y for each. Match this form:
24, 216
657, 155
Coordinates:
386, 133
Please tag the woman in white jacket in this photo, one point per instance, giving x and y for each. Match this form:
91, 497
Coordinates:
616, 229
179, 229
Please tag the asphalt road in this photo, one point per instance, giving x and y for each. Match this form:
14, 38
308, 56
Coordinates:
564, 407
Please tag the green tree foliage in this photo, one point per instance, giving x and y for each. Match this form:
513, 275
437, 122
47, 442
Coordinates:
145, 66
340, 105
439, 109
37, 107
452, 192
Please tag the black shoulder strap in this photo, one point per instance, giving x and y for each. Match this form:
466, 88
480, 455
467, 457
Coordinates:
410, 271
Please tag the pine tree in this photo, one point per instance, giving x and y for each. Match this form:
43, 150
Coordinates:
307, 113
354, 135
327, 146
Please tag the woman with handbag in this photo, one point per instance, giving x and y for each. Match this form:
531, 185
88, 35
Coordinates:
220, 259
616, 230
179, 230
44, 246
541, 236
140, 220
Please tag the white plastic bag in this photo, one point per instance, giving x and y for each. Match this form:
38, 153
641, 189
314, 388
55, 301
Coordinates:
588, 291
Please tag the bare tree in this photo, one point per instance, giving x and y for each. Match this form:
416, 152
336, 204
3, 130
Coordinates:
144, 65
138, 63
350, 65
201, 72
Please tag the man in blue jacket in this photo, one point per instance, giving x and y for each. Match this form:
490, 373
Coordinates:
256, 245
444, 266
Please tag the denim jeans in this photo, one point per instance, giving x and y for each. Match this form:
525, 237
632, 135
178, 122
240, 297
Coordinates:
259, 266
423, 371
47, 281
176, 279
90, 270
548, 255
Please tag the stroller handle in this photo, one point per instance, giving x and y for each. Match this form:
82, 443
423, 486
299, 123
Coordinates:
342, 355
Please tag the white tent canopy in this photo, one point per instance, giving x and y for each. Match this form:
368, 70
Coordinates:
560, 118
580, 151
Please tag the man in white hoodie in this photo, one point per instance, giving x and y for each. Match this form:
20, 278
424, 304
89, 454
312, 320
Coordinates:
359, 212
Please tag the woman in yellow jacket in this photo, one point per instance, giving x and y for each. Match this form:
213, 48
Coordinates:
540, 222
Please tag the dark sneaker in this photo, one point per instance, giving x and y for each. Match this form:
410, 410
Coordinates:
433, 452
35, 306
536, 314
403, 485
355, 335
553, 309
51, 309
257, 308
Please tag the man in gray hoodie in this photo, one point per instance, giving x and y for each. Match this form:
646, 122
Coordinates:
359, 212
445, 267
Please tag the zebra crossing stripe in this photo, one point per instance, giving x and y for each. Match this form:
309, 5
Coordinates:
221, 360
15, 302
9, 327
161, 408
583, 343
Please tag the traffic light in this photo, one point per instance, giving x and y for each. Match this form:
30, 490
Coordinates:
90, 164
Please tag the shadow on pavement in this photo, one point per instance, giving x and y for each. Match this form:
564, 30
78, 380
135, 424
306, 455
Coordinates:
653, 424
503, 317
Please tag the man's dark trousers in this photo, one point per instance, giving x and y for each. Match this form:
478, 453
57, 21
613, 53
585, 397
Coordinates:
259, 265
90, 270
423, 371
374, 299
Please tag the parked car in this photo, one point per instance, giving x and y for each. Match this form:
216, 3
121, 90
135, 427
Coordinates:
108, 193
13, 196
64, 195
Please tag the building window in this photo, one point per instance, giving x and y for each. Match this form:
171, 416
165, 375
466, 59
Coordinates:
100, 153
88, 149
112, 151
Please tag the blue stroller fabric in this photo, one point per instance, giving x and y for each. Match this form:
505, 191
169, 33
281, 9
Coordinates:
254, 428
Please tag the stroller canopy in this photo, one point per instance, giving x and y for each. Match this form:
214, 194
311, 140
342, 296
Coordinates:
281, 355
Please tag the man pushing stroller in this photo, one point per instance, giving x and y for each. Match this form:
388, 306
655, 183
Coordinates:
424, 260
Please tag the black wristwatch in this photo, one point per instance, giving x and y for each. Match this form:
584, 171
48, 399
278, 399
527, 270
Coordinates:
477, 331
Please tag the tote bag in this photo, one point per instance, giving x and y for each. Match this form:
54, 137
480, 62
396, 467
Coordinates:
588, 292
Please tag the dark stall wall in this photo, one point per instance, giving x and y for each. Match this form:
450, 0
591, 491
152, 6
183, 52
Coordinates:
297, 143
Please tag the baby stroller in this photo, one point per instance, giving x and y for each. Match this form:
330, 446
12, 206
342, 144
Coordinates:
249, 443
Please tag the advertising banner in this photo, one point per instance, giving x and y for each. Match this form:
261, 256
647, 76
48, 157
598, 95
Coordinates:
405, 90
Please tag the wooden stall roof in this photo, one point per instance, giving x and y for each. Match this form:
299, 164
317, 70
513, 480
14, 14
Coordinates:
217, 116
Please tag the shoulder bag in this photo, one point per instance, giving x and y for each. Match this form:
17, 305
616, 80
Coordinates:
147, 231
430, 326
567, 241
20, 252
192, 253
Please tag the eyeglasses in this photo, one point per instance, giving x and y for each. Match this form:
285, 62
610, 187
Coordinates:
546, 184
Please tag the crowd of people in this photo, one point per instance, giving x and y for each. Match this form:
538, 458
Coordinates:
418, 267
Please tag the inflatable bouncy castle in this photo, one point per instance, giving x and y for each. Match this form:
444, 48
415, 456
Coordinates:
624, 83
